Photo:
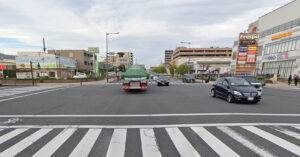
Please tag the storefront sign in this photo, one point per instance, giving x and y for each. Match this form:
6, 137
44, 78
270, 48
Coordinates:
2, 67
242, 58
282, 35
241, 62
249, 36
252, 52
251, 60
243, 54
243, 48
93, 50
251, 56
252, 48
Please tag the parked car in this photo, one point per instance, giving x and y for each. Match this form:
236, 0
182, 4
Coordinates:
163, 80
235, 89
254, 82
0, 83
80, 76
189, 78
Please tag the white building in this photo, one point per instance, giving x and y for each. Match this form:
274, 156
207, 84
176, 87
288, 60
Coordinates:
279, 43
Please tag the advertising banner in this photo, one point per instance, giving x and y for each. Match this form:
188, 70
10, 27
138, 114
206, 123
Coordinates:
97, 67
2, 67
251, 60
50, 62
241, 62
251, 56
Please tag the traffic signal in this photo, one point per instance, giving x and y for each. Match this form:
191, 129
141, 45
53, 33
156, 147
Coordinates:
39, 66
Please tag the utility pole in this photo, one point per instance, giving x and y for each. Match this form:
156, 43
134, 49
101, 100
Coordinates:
107, 34
44, 46
31, 73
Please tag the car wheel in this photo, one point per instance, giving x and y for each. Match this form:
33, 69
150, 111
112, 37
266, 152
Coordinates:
158, 84
194, 81
167, 84
229, 98
212, 93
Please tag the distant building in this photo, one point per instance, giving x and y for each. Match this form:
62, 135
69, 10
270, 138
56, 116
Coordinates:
203, 60
234, 57
7, 62
168, 56
44, 65
82, 57
121, 58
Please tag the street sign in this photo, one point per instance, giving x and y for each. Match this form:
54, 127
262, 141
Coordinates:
93, 50
97, 67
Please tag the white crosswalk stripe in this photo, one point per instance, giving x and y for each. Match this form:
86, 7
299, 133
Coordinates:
55, 143
117, 143
15, 149
149, 141
274, 139
15, 91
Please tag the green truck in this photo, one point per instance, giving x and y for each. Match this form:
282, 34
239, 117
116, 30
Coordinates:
135, 78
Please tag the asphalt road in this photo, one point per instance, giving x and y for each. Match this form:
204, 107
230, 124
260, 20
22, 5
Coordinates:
177, 120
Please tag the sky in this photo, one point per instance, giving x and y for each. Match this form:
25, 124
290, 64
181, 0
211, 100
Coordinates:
147, 27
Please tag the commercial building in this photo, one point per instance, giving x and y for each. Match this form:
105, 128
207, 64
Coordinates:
279, 43
44, 65
121, 58
234, 57
7, 62
168, 56
83, 58
204, 60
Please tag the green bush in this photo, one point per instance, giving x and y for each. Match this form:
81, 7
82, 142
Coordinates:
268, 81
213, 79
261, 78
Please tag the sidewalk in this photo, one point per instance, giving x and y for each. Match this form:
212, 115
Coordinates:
281, 85
76, 83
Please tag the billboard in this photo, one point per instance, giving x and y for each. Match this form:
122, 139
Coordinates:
246, 60
93, 50
49, 62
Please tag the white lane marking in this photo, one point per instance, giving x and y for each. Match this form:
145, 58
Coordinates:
218, 146
274, 139
183, 146
18, 147
11, 134
117, 143
149, 126
244, 141
286, 131
2, 100
297, 127
86, 143
55, 143
149, 145
158, 115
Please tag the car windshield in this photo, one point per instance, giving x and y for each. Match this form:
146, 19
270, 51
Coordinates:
163, 77
190, 76
238, 82
251, 79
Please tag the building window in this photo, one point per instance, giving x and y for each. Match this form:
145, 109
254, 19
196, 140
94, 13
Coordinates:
71, 54
283, 68
85, 63
51, 74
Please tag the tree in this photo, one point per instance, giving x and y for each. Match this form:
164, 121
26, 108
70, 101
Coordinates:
172, 69
122, 68
183, 69
160, 70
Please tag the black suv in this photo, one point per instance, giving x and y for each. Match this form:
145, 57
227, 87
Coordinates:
189, 78
235, 89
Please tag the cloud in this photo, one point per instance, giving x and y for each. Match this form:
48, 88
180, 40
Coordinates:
147, 27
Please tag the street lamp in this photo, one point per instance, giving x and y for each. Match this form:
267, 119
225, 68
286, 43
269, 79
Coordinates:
107, 34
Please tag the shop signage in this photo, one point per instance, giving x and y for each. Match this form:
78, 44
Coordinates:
252, 48
243, 48
248, 42
241, 62
2, 67
251, 56
252, 52
282, 35
243, 54
249, 36
242, 58
251, 60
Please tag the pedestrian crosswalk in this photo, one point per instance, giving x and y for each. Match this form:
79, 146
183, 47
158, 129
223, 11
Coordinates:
245, 140
154, 83
6, 92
